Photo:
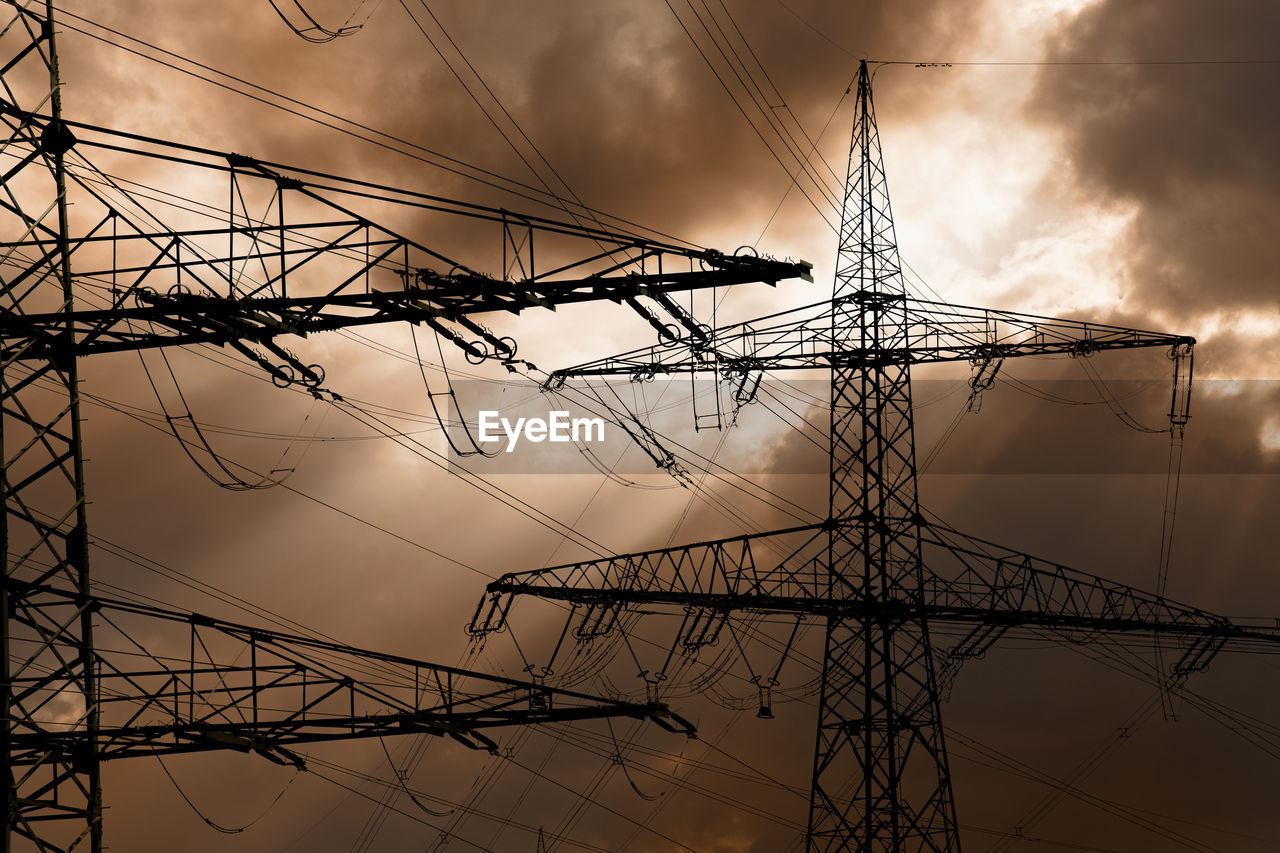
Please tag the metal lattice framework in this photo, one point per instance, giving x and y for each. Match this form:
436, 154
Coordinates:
287, 255
287, 689
880, 575
48, 651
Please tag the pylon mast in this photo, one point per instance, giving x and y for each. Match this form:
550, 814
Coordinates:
43, 532
878, 716
875, 570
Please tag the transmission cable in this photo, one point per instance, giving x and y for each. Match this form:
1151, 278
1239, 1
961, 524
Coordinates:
317, 33
497, 101
225, 830
372, 525
475, 449
337, 118
762, 103
743, 111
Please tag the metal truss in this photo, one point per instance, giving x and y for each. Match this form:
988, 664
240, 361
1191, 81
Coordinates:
936, 332
284, 252
201, 684
247, 274
875, 571
42, 530
179, 318
967, 581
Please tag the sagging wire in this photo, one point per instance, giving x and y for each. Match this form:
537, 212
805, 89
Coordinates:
187, 580
151, 417
1112, 401
588, 799
400, 777
620, 761
388, 807
725, 475
317, 33
612, 476
564, 679
476, 449
229, 480
365, 417
551, 386
225, 830
587, 741
763, 684
641, 435
587, 660
143, 295
766, 688
575, 813
1182, 356
681, 782
600, 747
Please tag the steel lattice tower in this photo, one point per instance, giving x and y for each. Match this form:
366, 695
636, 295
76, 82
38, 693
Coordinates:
875, 569
69, 704
43, 533
878, 709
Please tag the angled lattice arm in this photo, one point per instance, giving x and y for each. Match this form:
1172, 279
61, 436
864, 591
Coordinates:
201, 683
968, 581
780, 568
181, 318
934, 332
997, 589
292, 254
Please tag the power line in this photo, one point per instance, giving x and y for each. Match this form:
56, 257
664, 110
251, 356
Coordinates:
818, 209
1069, 62
328, 118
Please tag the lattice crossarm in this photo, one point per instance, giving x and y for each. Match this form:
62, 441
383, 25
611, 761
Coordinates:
179, 318
718, 574
201, 683
273, 737
935, 332
977, 582
940, 331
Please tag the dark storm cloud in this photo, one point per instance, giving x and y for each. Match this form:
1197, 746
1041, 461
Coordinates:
618, 99
1192, 147
616, 96
663, 143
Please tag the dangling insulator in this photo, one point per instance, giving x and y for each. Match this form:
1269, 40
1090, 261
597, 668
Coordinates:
666, 331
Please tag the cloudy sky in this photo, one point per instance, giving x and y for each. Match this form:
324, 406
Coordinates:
1066, 160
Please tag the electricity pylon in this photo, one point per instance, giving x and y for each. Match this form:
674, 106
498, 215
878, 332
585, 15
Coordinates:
307, 263
879, 574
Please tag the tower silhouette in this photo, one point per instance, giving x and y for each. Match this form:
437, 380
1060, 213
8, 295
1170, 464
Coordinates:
88, 678
876, 570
